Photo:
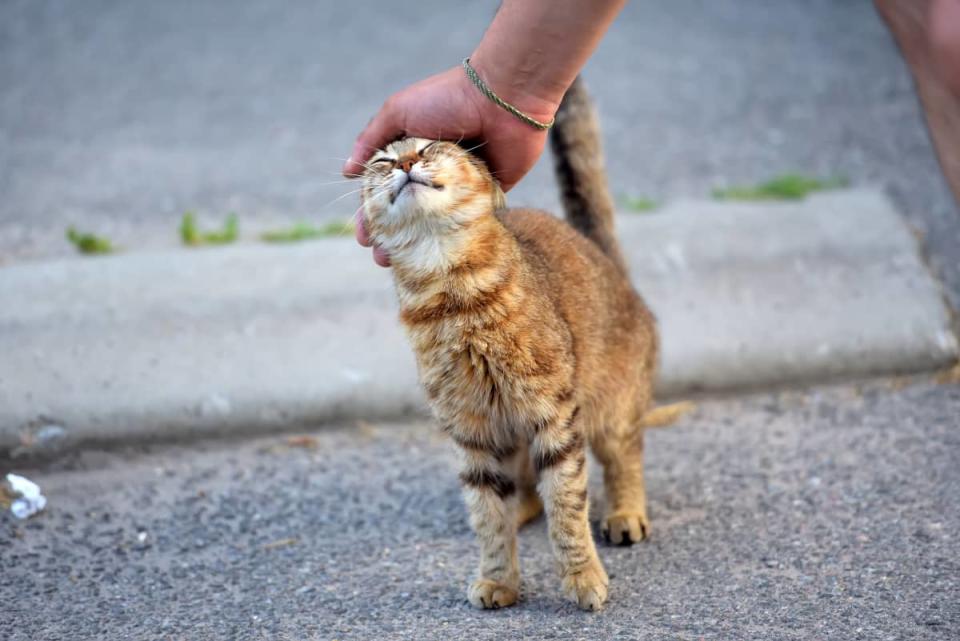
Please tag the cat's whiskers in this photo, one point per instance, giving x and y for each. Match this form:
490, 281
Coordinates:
336, 182
342, 196
475, 147
364, 164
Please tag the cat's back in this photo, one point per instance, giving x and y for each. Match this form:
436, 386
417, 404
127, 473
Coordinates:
613, 333
590, 291
559, 253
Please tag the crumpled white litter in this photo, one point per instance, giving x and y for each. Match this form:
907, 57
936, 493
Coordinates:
30, 501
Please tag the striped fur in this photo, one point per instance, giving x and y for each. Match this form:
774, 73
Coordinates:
531, 345
578, 165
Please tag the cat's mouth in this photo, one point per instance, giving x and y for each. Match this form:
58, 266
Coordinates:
412, 182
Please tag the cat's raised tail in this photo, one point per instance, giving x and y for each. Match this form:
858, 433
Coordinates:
578, 163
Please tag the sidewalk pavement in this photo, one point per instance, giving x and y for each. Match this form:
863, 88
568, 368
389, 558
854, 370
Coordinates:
249, 338
826, 514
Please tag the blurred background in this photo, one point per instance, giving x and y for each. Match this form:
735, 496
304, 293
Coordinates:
118, 117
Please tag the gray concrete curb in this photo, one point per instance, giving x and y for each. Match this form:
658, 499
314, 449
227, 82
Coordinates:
254, 337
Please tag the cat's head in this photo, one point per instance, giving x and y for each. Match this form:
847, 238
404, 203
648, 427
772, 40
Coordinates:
431, 184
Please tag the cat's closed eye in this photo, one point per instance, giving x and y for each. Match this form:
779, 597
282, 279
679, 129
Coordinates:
428, 146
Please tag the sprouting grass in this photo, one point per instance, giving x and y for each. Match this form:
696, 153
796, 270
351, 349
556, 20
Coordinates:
192, 235
640, 203
189, 234
305, 231
89, 243
785, 187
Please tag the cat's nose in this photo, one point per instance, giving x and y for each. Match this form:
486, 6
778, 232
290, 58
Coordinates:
406, 163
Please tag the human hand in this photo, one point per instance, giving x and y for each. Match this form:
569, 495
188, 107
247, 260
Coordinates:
380, 257
447, 106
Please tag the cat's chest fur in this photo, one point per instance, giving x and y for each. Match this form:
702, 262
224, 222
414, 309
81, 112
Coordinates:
491, 362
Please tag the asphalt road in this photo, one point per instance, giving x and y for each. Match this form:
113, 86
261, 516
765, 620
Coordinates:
830, 514
119, 116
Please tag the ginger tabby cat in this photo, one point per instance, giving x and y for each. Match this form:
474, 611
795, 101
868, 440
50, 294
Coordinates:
531, 343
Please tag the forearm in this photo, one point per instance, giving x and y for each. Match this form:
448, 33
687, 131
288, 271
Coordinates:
534, 49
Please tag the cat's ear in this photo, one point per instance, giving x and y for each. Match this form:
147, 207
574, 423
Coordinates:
499, 198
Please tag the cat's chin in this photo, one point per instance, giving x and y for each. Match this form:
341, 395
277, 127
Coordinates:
414, 187
410, 191
418, 199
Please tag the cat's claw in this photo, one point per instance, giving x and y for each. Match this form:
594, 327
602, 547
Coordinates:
625, 529
490, 595
587, 587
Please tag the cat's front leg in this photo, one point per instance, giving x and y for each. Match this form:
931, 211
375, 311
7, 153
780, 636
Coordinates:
491, 496
560, 457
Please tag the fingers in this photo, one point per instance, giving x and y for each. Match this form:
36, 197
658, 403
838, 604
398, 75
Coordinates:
380, 257
360, 229
512, 158
386, 125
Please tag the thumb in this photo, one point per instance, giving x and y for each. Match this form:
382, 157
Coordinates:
510, 159
386, 126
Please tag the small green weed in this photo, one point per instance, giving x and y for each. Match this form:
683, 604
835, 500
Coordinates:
192, 235
640, 203
785, 187
305, 231
89, 243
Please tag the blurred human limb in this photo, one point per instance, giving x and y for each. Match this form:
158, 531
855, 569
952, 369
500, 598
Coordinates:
529, 55
928, 33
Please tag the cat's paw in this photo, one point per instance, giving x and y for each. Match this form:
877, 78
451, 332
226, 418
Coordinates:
587, 586
490, 595
625, 528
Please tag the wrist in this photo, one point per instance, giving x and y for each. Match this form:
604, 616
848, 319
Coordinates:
524, 88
